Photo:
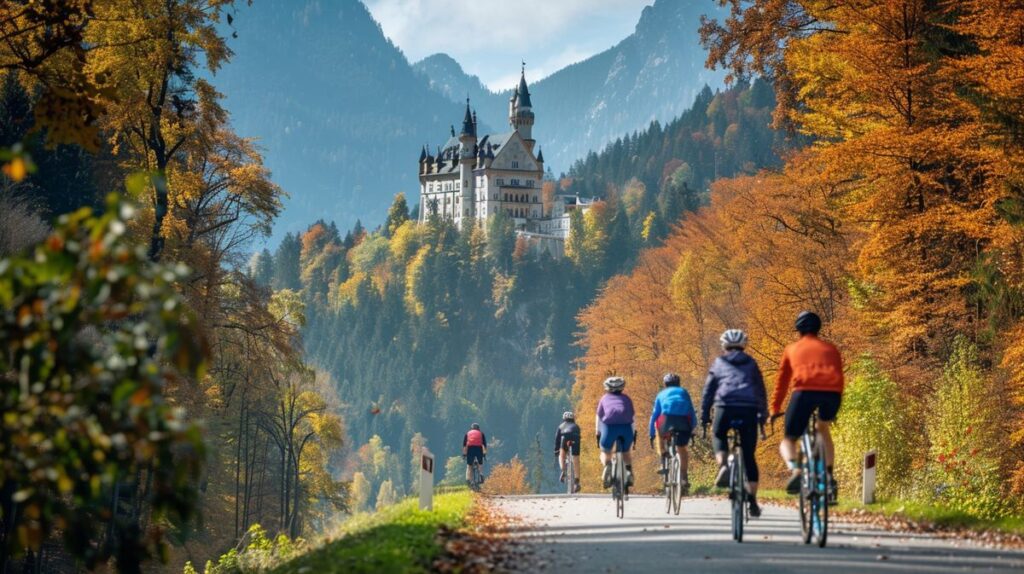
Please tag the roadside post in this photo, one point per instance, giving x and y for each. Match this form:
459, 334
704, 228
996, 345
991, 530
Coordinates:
870, 461
426, 479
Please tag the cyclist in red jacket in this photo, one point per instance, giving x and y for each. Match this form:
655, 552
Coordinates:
474, 449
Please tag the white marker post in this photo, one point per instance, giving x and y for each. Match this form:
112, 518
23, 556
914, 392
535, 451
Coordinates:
426, 480
870, 460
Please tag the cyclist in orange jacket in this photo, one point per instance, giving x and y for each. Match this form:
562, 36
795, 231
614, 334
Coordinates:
814, 369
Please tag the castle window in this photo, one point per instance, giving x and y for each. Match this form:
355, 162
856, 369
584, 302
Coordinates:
515, 182
501, 181
515, 165
529, 183
535, 199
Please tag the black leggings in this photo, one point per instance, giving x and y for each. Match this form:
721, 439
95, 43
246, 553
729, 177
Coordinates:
745, 419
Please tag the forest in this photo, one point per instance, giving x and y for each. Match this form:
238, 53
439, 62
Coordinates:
900, 224
426, 329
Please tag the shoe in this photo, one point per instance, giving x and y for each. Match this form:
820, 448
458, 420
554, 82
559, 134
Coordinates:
576, 487
793, 486
723, 477
629, 477
684, 487
663, 471
561, 477
755, 510
606, 476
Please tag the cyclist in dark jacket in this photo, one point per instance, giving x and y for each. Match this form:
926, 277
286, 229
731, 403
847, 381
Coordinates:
735, 387
567, 438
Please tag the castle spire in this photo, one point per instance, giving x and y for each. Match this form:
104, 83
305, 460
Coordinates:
523, 92
468, 125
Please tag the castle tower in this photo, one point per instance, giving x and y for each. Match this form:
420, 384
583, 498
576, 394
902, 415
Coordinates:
467, 161
521, 111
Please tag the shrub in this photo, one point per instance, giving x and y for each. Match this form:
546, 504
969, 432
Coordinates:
507, 478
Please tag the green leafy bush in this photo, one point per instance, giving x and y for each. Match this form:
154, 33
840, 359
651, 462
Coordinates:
92, 332
869, 421
963, 470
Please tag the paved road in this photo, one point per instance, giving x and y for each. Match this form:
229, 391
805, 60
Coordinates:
581, 534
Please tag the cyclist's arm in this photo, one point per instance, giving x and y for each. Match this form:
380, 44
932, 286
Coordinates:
655, 413
692, 412
483, 439
782, 382
708, 398
465, 439
762, 395
558, 440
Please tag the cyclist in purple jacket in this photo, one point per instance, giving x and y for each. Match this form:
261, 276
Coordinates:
614, 422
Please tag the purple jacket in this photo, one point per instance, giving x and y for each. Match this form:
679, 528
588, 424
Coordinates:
615, 409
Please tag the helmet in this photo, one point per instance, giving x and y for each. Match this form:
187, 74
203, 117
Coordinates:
475, 426
808, 322
733, 339
568, 416
671, 380
613, 384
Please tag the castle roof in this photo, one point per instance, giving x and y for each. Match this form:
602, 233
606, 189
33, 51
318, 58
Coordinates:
468, 125
523, 93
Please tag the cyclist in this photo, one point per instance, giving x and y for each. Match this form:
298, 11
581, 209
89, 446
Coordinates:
568, 431
614, 421
673, 414
474, 449
735, 387
814, 369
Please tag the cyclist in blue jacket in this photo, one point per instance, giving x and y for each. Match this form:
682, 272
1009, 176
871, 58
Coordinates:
735, 387
673, 414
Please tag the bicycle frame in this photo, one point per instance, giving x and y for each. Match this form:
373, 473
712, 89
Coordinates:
737, 484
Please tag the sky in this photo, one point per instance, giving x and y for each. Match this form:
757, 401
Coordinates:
547, 34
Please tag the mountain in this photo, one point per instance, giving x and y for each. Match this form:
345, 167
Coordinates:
343, 115
445, 76
653, 74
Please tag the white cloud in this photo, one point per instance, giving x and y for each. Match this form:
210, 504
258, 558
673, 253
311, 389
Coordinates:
489, 36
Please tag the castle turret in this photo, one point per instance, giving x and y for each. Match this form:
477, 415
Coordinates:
521, 111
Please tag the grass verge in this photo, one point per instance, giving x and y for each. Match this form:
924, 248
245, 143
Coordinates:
400, 538
925, 515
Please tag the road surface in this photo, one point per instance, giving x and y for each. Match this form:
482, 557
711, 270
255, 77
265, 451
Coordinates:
581, 534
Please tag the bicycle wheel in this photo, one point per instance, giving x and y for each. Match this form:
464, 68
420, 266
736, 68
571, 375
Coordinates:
821, 499
807, 496
570, 472
677, 480
619, 491
738, 495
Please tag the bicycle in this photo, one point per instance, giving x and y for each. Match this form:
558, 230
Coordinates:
476, 476
815, 486
620, 491
570, 468
672, 470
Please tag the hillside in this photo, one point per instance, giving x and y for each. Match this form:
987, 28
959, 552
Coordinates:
342, 116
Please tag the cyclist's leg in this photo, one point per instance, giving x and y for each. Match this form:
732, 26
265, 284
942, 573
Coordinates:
748, 438
828, 409
607, 440
720, 443
798, 414
561, 458
824, 428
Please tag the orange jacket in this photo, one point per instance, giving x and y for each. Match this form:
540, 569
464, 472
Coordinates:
810, 364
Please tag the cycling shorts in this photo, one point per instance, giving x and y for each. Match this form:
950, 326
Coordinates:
574, 448
474, 454
803, 403
610, 434
678, 425
744, 419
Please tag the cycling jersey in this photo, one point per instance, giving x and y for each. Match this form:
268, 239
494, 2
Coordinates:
809, 364
734, 380
615, 409
568, 430
474, 438
672, 401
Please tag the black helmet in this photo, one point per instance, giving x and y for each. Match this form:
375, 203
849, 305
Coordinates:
671, 380
808, 322
475, 426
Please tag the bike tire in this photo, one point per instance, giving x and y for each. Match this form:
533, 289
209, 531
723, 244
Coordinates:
570, 480
620, 478
738, 497
822, 480
806, 501
668, 484
677, 479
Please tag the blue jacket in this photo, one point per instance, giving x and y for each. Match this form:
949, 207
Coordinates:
671, 401
734, 380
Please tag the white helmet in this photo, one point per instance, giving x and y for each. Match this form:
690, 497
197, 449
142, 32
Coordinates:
612, 384
733, 339
568, 416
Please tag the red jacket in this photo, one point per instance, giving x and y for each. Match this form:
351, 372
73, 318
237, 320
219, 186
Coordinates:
810, 364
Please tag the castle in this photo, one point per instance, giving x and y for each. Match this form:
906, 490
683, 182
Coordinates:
471, 177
